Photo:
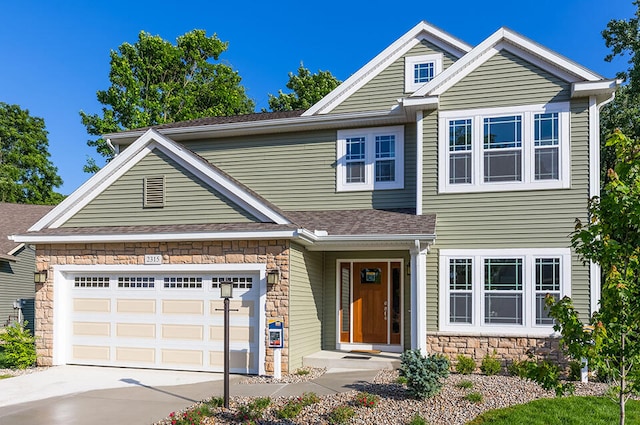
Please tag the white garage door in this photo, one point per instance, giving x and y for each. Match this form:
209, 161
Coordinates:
162, 320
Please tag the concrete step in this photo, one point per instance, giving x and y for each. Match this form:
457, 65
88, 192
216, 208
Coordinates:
352, 360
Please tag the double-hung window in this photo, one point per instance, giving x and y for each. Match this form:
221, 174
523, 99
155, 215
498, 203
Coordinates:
498, 291
370, 159
419, 70
514, 148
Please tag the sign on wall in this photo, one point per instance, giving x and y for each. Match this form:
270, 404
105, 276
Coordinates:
276, 333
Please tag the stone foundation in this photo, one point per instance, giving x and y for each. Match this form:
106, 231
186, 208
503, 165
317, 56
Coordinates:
273, 253
507, 348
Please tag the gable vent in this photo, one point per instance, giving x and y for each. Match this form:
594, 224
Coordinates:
154, 192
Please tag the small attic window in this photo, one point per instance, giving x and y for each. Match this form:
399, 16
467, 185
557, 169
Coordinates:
419, 70
154, 192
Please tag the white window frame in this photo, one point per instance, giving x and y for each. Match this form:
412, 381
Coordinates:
477, 325
528, 182
370, 159
409, 65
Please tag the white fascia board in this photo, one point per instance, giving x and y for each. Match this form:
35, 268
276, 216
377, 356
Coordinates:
509, 40
16, 249
422, 31
155, 237
428, 102
594, 88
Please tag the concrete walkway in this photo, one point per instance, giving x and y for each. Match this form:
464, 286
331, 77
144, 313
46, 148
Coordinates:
69, 395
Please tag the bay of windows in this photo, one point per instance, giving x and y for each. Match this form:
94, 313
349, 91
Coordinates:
501, 290
504, 148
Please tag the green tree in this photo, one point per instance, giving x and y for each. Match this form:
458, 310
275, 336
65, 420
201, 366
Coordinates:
307, 89
611, 239
27, 176
155, 82
622, 36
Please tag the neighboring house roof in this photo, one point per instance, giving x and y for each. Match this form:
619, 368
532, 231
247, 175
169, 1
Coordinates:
260, 116
16, 218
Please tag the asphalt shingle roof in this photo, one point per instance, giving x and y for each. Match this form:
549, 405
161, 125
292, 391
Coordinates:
17, 218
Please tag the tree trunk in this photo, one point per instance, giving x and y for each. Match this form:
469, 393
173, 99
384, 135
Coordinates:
623, 378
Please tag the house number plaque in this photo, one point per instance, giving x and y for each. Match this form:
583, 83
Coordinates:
153, 259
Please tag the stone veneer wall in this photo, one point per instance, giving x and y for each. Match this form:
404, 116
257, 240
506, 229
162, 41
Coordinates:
271, 252
507, 348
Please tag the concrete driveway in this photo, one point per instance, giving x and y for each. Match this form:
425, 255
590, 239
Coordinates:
67, 395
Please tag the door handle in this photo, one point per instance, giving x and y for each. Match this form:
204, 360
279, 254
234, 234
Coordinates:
385, 311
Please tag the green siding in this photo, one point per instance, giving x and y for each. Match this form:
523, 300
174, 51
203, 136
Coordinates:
383, 91
306, 304
296, 171
16, 281
331, 258
523, 219
505, 80
188, 199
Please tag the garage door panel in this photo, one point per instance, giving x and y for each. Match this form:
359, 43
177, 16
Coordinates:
135, 330
159, 326
186, 332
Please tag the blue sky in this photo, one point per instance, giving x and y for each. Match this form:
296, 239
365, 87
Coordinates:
55, 55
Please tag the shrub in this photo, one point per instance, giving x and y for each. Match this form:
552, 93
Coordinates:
367, 400
474, 397
402, 380
308, 399
215, 402
575, 370
190, 417
302, 372
418, 420
490, 364
341, 415
293, 407
464, 384
19, 347
518, 368
253, 410
465, 364
544, 373
424, 375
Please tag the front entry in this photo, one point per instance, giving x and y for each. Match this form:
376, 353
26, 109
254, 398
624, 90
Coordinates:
370, 310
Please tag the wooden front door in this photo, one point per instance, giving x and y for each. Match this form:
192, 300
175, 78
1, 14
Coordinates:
370, 302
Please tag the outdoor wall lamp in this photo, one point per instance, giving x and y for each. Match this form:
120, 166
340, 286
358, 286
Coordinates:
40, 276
273, 277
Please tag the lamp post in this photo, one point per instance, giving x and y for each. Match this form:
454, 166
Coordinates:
226, 292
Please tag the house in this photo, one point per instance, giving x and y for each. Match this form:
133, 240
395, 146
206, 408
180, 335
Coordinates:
424, 203
17, 263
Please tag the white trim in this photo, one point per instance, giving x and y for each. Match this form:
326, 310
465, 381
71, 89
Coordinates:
419, 297
478, 255
505, 38
61, 307
419, 160
422, 31
16, 249
410, 62
593, 88
528, 155
131, 156
369, 135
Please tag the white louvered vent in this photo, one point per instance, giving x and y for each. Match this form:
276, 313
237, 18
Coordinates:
154, 188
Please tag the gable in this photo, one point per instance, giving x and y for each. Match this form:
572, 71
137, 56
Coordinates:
384, 90
188, 200
505, 80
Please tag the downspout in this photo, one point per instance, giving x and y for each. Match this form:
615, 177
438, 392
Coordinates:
113, 148
419, 160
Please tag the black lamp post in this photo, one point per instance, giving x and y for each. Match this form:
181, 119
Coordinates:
226, 292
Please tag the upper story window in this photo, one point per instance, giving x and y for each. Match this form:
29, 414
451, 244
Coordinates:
516, 148
370, 159
501, 291
419, 70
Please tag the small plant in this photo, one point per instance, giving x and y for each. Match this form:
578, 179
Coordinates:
474, 397
425, 375
190, 417
417, 420
308, 399
253, 410
465, 384
215, 402
302, 372
544, 373
402, 380
19, 347
293, 407
341, 415
518, 368
5, 376
367, 400
490, 365
465, 365
575, 370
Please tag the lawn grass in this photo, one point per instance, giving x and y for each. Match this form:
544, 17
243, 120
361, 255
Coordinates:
561, 411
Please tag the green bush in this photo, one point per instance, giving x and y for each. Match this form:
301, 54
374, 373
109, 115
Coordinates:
253, 410
417, 420
474, 397
341, 415
465, 384
575, 370
465, 364
19, 347
518, 368
367, 400
424, 375
544, 373
293, 407
490, 365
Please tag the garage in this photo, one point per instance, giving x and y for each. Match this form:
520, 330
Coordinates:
161, 318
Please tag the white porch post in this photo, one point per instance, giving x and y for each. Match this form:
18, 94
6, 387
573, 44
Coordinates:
419, 297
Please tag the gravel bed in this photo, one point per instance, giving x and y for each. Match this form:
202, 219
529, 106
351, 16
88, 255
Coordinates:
18, 372
397, 407
303, 374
